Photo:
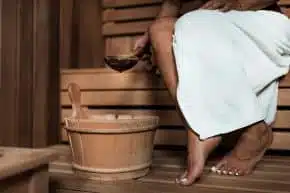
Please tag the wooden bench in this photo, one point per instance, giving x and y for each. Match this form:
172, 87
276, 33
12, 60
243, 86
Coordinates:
25, 170
139, 92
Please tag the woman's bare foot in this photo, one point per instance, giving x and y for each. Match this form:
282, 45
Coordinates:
249, 150
198, 152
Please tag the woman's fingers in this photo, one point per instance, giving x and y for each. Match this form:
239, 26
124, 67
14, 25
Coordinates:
213, 4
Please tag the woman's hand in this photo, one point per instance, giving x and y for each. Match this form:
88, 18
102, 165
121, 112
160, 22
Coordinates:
141, 45
222, 5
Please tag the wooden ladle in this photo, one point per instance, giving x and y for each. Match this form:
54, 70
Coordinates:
74, 94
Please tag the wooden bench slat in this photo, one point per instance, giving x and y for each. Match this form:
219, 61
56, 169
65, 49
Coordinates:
141, 98
171, 117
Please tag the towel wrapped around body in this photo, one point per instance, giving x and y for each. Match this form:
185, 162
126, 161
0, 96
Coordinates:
228, 66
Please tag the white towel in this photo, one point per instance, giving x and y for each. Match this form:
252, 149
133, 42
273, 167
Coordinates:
228, 65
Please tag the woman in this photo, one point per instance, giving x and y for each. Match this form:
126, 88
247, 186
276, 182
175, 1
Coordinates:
223, 70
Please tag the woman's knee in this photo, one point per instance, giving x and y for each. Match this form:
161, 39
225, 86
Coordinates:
161, 27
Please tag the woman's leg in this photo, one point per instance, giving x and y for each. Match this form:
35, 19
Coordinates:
215, 63
161, 38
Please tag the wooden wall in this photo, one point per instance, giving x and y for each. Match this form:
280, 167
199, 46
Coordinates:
138, 93
81, 41
29, 98
90, 29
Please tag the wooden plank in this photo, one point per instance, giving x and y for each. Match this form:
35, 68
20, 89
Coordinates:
178, 137
127, 3
65, 33
284, 2
91, 44
122, 98
91, 80
254, 183
148, 12
268, 176
141, 97
130, 28
118, 45
285, 81
72, 182
171, 117
29, 69
284, 97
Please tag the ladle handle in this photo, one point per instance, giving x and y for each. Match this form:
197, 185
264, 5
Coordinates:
74, 94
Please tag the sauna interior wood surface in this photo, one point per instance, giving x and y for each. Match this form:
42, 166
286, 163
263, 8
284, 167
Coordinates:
105, 91
271, 176
139, 92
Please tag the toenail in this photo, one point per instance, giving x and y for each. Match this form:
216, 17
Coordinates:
183, 180
213, 169
231, 173
237, 174
225, 172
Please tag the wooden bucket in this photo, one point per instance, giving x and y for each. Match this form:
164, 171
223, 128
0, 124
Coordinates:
110, 147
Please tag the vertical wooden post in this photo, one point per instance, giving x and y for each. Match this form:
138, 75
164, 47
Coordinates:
29, 72
81, 40
91, 45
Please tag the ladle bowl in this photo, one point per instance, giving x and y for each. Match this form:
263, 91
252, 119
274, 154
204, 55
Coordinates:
121, 63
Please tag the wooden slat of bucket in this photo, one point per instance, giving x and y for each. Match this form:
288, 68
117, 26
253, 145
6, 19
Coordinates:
171, 117
141, 98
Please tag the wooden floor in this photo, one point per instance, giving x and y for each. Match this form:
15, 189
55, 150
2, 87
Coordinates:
272, 176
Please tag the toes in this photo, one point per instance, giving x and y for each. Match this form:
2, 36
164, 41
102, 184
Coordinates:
181, 178
218, 168
237, 172
232, 171
221, 169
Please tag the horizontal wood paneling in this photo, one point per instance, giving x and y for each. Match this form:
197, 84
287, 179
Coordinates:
89, 79
130, 92
141, 98
170, 117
